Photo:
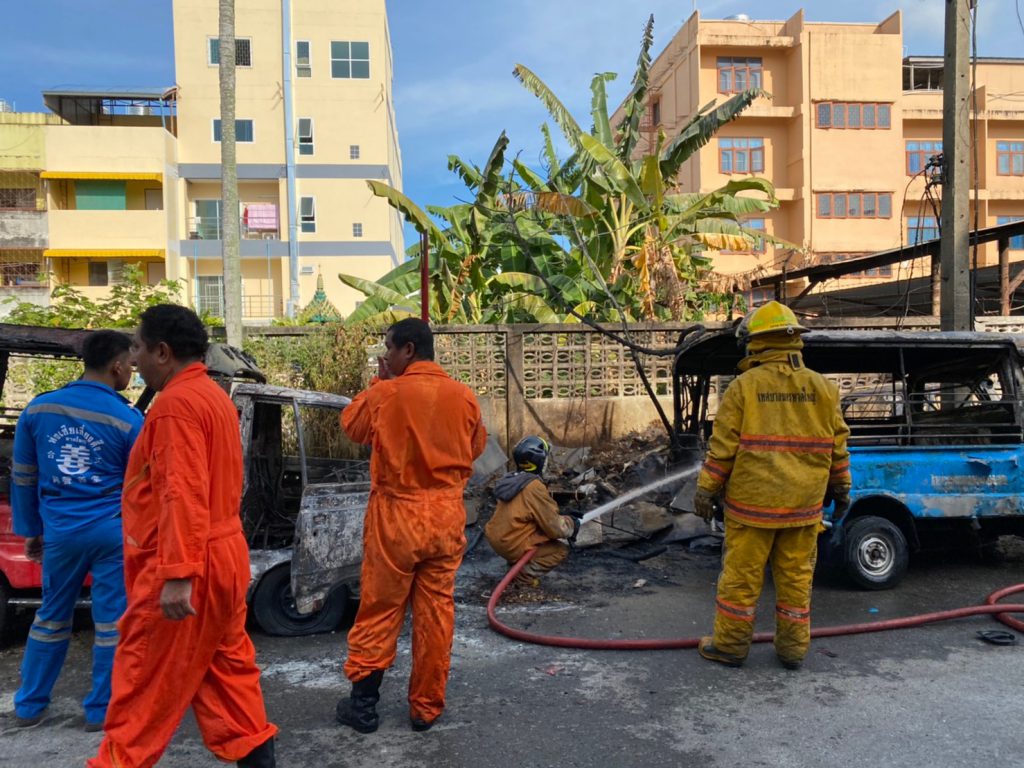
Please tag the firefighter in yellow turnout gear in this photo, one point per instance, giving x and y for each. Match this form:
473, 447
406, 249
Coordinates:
778, 448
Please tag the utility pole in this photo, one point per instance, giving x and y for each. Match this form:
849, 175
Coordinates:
956, 309
229, 178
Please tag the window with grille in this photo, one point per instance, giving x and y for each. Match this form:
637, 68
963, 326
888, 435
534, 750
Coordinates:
305, 136
243, 51
303, 60
854, 205
244, 131
307, 214
741, 155
18, 199
350, 60
1010, 158
918, 154
738, 74
24, 268
921, 228
855, 115
353, 151
210, 295
357, 230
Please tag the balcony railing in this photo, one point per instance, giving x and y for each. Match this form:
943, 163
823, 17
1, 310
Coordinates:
251, 227
253, 306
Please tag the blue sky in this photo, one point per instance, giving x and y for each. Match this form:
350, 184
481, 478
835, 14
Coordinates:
453, 87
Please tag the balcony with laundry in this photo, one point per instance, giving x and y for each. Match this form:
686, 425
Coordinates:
257, 221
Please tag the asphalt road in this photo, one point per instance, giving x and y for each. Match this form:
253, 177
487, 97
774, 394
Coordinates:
921, 698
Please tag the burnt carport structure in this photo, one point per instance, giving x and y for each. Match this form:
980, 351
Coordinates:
994, 289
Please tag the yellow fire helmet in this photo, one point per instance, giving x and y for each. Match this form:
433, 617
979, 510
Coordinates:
772, 317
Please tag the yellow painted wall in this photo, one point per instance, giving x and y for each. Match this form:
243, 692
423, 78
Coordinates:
107, 229
105, 148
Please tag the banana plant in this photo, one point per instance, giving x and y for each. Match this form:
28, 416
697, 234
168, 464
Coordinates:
645, 242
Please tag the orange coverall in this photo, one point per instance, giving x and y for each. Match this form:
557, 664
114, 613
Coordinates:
181, 520
425, 430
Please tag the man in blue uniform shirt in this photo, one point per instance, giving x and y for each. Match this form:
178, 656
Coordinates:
71, 448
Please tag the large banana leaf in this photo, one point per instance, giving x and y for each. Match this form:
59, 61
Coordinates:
373, 289
599, 107
520, 280
702, 128
532, 179
636, 102
407, 207
469, 174
562, 117
491, 174
615, 171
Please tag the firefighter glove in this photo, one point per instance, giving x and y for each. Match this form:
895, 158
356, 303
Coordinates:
841, 499
575, 530
705, 505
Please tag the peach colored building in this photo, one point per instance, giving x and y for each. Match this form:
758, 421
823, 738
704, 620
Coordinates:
845, 138
124, 176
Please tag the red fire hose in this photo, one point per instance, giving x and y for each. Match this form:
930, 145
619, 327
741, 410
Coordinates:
991, 607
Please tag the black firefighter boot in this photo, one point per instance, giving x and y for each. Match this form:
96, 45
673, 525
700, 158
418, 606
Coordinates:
359, 710
261, 757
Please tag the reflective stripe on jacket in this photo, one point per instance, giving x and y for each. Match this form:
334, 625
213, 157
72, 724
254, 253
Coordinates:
779, 441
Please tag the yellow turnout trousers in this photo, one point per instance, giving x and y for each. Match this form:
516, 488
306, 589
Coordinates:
791, 552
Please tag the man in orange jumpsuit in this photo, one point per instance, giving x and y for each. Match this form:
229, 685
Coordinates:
186, 566
425, 430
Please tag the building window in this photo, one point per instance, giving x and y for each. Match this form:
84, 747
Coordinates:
350, 60
854, 205
243, 51
922, 228
1010, 158
923, 75
738, 74
98, 273
305, 136
357, 230
755, 297
353, 151
21, 268
741, 155
1016, 243
835, 258
307, 214
210, 295
838, 114
244, 131
919, 153
303, 60
19, 199
655, 113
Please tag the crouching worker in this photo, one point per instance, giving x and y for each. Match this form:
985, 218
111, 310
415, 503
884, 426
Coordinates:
527, 517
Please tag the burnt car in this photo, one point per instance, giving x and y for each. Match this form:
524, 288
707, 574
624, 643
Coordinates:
297, 465
936, 443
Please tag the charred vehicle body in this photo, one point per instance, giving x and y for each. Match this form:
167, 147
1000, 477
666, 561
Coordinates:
936, 443
298, 468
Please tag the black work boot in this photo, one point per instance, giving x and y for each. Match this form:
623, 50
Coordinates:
261, 757
359, 710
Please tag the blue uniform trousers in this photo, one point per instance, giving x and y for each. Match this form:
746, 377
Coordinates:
66, 563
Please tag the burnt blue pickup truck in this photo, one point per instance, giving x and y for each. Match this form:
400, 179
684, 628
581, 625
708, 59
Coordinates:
936, 443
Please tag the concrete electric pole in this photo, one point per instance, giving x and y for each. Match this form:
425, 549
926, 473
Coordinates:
956, 306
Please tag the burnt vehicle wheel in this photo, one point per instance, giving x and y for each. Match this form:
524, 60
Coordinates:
275, 612
876, 554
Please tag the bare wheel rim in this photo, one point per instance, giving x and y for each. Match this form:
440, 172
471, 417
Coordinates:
876, 555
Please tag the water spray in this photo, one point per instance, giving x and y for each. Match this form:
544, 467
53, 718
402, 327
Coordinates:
617, 502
